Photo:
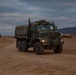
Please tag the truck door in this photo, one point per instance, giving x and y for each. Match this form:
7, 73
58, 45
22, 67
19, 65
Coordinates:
33, 32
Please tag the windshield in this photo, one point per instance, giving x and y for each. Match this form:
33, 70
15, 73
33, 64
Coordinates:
45, 27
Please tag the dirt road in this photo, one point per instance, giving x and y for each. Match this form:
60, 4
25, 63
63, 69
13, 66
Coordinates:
14, 62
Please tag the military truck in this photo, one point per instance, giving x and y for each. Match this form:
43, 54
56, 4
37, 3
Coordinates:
41, 35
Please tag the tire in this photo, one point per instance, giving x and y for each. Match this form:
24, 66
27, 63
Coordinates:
20, 45
39, 50
16, 42
24, 46
58, 49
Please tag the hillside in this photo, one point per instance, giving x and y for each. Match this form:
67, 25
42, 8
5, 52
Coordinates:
69, 30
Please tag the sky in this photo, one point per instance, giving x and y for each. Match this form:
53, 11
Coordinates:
17, 12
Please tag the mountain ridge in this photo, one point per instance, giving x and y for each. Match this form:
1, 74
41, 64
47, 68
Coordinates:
68, 30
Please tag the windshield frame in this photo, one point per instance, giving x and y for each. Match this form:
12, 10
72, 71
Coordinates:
45, 27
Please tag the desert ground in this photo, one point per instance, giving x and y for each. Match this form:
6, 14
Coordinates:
14, 62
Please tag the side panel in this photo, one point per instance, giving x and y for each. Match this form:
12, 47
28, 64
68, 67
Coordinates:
21, 32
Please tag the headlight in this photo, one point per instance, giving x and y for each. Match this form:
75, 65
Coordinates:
43, 41
61, 39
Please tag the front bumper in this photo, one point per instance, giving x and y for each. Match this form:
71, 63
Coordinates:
52, 42
56, 42
45, 43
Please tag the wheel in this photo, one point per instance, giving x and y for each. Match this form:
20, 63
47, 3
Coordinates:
38, 48
16, 42
20, 45
58, 49
24, 46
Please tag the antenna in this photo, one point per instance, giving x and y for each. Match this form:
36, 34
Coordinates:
29, 27
29, 21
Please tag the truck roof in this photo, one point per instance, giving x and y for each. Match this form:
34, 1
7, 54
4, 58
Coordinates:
43, 22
